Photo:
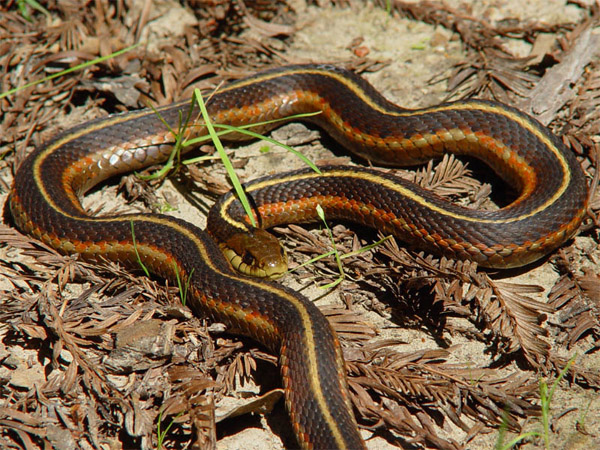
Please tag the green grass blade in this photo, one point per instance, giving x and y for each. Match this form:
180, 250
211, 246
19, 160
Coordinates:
69, 70
162, 434
137, 254
21, 4
518, 439
200, 139
179, 143
338, 260
313, 260
232, 129
366, 248
235, 181
341, 255
183, 289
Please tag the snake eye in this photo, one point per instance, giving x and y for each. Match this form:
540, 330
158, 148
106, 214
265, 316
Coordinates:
248, 259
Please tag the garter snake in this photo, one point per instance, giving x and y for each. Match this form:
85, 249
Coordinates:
45, 203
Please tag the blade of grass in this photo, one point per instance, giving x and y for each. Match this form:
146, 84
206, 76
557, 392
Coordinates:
21, 4
232, 129
137, 254
183, 290
342, 255
179, 143
546, 399
69, 70
244, 129
237, 129
228, 129
518, 439
235, 181
162, 434
338, 260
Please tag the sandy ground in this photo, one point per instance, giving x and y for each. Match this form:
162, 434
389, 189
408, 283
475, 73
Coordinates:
416, 52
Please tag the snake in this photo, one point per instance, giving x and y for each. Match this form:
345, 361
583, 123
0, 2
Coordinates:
45, 203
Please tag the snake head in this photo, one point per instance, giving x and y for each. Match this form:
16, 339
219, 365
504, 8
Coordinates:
256, 253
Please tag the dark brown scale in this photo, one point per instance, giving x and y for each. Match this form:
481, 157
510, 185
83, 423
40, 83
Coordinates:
342, 192
218, 282
555, 223
45, 205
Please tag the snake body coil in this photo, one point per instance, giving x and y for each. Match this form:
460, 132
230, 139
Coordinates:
44, 203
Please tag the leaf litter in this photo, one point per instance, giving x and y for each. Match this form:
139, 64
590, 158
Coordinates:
92, 356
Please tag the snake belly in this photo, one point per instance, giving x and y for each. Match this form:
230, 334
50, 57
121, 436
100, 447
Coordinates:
45, 203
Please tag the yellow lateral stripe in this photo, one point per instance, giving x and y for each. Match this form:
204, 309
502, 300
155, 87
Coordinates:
526, 124
373, 178
309, 344
112, 153
494, 109
521, 120
105, 123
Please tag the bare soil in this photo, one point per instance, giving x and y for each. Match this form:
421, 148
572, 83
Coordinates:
61, 321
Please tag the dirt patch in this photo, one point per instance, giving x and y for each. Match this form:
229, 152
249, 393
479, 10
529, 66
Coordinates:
419, 55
